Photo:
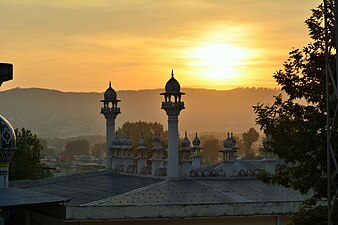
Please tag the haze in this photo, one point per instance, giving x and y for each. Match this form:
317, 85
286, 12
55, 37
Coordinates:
81, 45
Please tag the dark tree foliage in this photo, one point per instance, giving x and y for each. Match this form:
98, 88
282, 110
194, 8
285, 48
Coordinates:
295, 127
77, 147
248, 138
25, 163
148, 129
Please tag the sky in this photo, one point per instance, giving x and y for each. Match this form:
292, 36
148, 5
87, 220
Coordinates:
81, 45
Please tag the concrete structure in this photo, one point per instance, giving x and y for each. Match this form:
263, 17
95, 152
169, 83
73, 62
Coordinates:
142, 155
172, 105
110, 110
185, 156
157, 159
196, 158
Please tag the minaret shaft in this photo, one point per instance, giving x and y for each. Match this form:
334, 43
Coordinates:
110, 135
173, 165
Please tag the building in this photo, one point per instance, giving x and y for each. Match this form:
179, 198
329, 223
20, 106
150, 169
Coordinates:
143, 186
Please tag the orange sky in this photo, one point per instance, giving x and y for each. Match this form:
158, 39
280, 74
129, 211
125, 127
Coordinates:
80, 45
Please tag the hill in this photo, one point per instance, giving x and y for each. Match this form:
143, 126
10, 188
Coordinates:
52, 113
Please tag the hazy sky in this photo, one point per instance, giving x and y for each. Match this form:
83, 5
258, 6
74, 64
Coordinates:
80, 45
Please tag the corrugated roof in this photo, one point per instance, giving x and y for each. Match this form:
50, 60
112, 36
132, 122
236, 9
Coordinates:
11, 197
203, 191
87, 187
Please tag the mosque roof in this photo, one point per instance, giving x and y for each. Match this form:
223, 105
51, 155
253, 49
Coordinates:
105, 195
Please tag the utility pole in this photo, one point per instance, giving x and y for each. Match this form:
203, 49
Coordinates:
331, 105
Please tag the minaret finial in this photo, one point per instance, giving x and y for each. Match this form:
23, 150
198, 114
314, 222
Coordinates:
110, 84
172, 72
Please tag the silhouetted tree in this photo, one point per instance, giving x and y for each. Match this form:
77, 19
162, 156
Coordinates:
77, 147
296, 132
25, 163
248, 138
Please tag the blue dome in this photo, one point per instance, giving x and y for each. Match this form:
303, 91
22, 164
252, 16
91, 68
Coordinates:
7, 135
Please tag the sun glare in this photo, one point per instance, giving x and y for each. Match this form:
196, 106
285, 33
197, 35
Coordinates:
218, 61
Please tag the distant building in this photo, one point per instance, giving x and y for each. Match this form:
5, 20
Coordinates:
157, 186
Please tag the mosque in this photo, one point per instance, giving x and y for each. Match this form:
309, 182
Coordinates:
148, 185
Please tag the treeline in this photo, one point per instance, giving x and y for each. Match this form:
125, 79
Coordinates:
95, 145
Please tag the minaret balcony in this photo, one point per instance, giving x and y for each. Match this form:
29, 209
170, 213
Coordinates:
110, 110
173, 105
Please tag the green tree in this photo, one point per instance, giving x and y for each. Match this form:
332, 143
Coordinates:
98, 149
77, 147
25, 163
148, 129
295, 127
211, 148
248, 138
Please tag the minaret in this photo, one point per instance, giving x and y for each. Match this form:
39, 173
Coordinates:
196, 163
172, 105
110, 112
229, 154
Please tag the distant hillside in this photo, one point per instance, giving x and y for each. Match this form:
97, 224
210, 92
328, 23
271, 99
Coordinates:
51, 113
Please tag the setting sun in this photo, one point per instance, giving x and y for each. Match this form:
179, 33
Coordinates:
218, 61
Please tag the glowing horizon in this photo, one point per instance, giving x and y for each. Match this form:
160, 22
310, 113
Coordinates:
82, 45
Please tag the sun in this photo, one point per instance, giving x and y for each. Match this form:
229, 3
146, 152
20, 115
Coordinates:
218, 61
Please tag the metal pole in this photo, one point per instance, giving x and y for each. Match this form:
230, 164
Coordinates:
328, 143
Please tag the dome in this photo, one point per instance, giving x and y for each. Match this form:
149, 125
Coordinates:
196, 142
7, 134
230, 142
110, 94
172, 86
185, 142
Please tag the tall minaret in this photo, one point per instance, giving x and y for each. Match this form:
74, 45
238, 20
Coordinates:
110, 112
172, 105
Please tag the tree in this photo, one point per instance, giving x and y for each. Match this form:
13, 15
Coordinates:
98, 149
25, 163
211, 148
78, 147
248, 138
295, 127
148, 129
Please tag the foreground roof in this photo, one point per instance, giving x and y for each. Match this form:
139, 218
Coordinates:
86, 187
11, 197
107, 196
